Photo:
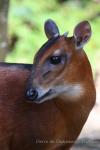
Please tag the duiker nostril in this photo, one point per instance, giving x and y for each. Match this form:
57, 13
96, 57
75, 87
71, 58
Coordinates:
32, 94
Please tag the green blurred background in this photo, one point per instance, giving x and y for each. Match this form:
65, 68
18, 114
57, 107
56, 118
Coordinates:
26, 25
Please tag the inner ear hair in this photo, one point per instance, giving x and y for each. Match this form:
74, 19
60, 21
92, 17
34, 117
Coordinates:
82, 34
79, 42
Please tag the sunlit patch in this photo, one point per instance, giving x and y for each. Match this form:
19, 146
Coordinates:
73, 91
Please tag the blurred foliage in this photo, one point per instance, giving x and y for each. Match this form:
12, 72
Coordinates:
27, 17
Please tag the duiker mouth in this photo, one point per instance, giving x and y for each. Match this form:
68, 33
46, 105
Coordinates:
37, 96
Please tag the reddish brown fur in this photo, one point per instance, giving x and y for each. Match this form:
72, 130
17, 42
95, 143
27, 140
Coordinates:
53, 124
22, 123
73, 112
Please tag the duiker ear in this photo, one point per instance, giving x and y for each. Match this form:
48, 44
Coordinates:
82, 34
51, 29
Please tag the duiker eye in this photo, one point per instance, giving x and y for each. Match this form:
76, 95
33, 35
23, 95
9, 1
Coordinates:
55, 60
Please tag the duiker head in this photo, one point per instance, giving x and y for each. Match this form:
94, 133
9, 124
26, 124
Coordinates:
57, 68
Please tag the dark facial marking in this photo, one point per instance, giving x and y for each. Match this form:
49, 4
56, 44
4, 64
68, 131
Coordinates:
44, 48
46, 74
